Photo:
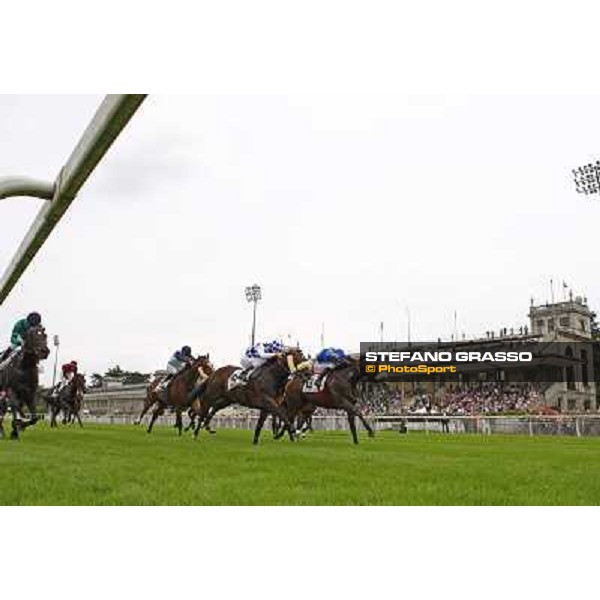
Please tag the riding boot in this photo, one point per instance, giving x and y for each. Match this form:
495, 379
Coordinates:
162, 390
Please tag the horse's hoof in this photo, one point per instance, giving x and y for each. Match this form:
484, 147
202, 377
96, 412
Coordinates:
14, 435
212, 431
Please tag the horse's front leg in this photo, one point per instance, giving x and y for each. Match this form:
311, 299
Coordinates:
192, 417
3, 409
278, 411
259, 424
15, 409
214, 409
159, 410
178, 421
349, 406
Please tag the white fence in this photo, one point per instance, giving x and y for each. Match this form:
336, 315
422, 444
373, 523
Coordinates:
572, 425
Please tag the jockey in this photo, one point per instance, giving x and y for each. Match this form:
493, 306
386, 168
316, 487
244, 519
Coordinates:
69, 370
257, 355
18, 333
180, 359
327, 360
21, 326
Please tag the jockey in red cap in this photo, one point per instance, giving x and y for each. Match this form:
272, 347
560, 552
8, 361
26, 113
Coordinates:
69, 370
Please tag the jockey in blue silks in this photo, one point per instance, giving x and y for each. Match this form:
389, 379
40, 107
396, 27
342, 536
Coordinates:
178, 361
327, 360
257, 355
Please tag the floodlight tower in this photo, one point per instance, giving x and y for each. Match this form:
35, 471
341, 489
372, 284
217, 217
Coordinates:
587, 178
253, 294
56, 346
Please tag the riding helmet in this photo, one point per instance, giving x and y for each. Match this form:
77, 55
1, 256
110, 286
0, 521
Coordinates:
34, 319
186, 351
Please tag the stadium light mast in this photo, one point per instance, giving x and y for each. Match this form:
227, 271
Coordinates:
253, 294
56, 346
587, 178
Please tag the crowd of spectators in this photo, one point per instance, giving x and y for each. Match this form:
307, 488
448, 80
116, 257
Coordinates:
485, 398
381, 402
493, 399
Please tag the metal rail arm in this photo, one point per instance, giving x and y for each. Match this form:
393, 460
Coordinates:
111, 117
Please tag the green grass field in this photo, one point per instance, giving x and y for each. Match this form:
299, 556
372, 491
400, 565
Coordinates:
124, 465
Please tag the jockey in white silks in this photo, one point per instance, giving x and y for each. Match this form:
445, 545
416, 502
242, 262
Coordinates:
257, 355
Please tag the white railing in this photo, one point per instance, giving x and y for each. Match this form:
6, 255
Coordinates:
572, 425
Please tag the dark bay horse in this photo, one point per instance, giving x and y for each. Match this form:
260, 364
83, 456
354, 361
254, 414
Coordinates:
177, 394
339, 393
265, 385
19, 378
69, 400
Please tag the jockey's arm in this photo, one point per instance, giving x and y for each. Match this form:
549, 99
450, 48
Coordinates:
18, 333
305, 365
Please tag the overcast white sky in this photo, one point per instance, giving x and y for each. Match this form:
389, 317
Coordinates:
345, 209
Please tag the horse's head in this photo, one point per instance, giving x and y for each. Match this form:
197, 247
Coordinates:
352, 361
203, 365
79, 383
35, 342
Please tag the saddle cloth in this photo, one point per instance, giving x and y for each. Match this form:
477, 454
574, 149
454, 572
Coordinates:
311, 387
235, 379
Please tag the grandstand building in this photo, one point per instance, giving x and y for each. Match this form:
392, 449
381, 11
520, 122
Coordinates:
566, 325
569, 322
566, 328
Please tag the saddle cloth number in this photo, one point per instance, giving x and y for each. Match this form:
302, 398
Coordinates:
311, 387
235, 380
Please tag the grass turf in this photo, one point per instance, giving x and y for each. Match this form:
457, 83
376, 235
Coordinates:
123, 465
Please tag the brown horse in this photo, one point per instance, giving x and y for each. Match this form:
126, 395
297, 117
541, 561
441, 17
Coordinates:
177, 392
339, 393
19, 379
265, 385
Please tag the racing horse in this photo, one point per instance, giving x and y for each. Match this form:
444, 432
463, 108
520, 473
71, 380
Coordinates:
69, 400
339, 392
19, 380
260, 392
177, 393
